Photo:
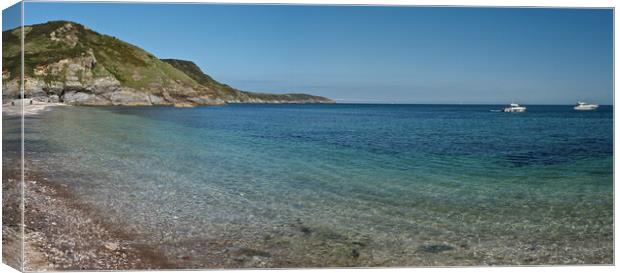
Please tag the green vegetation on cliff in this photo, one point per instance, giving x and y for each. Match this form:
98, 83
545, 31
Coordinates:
231, 94
54, 41
63, 57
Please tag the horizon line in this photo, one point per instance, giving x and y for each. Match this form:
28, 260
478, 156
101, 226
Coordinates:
451, 103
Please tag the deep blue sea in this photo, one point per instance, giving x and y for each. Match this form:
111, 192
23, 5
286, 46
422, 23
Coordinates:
342, 184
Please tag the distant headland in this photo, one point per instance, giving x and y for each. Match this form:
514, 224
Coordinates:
69, 63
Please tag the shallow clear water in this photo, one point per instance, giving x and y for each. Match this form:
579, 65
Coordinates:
342, 185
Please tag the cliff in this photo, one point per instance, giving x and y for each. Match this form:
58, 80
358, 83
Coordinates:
70, 63
232, 95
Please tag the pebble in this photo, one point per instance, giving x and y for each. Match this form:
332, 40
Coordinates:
111, 246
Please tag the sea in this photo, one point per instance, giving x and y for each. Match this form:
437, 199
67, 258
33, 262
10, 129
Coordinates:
338, 185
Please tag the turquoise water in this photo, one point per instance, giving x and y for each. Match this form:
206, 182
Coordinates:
341, 185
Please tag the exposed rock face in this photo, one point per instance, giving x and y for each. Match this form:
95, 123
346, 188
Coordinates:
67, 62
75, 81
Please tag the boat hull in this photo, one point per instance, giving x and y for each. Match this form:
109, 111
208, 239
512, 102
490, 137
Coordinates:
514, 110
585, 108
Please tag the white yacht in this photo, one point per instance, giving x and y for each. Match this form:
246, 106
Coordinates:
514, 108
582, 106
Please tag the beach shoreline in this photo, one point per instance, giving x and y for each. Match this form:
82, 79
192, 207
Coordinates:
63, 233
30, 107
66, 230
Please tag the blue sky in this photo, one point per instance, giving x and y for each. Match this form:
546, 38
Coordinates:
373, 54
11, 16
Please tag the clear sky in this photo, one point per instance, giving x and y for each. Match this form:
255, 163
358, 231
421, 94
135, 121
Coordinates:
373, 54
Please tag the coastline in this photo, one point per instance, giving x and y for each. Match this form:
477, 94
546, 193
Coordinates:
64, 233
61, 223
14, 107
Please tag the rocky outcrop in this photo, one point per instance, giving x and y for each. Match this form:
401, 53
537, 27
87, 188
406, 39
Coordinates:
67, 62
73, 82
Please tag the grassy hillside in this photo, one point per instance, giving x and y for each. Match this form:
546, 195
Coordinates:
193, 71
131, 65
62, 53
229, 93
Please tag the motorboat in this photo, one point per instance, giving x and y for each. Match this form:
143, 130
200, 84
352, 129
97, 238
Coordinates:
582, 106
514, 108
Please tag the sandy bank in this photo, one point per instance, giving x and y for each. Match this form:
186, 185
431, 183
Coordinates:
30, 107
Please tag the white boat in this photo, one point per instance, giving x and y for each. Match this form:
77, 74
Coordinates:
582, 106
514, 108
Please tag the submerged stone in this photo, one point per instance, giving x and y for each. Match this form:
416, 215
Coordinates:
436, 248
250, 252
